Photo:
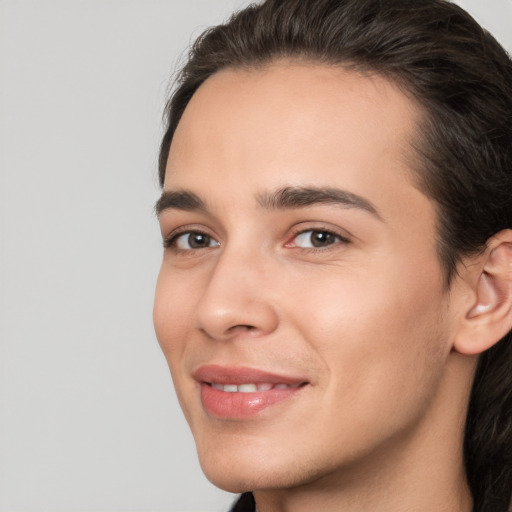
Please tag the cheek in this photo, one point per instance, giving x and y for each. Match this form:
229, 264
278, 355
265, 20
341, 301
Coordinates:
380, 334
172, 310
172, 316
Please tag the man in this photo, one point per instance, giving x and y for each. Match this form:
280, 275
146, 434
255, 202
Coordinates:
335, 298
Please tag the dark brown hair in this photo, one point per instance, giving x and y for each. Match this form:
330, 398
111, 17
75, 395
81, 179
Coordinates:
462, 79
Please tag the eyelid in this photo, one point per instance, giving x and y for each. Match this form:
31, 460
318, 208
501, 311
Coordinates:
304, 227
170, 239
343, 237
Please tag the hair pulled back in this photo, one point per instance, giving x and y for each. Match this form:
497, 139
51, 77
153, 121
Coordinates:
462, 78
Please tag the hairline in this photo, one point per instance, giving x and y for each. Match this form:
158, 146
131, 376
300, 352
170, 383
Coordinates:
418, 174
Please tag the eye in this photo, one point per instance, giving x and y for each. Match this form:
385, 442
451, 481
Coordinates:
316, 238
191, 240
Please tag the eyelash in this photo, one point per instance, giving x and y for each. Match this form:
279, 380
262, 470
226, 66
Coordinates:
339, 239
170, 242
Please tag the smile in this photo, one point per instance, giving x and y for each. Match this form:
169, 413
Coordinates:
251, 388
240, 393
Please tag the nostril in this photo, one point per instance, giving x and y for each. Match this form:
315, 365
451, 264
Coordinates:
242, 327
221, 317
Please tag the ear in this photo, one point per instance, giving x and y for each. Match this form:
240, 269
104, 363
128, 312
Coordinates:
489, 317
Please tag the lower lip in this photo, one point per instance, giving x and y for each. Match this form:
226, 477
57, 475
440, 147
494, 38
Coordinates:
226, 405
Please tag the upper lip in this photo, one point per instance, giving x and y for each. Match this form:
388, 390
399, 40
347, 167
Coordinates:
242, 375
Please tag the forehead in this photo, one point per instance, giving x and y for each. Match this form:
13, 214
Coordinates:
295, 124
285, 109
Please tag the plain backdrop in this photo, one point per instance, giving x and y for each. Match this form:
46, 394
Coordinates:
88, 416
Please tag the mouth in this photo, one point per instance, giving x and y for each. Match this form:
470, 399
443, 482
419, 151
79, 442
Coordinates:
251, 387
240, 393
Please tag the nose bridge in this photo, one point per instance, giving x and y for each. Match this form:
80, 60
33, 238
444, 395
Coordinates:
235, 298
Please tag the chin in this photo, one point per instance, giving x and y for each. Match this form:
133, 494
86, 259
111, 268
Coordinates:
249, 478
236, 484
238, 469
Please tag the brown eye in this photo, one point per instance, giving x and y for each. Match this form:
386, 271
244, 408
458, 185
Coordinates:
322, 238
316, 239
193, 240
198, 240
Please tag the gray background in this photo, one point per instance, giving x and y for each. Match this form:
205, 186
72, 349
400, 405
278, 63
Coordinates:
88, 417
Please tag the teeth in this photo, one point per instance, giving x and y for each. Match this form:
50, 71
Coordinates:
249, 388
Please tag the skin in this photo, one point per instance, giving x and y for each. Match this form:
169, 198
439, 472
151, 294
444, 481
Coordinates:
365, 319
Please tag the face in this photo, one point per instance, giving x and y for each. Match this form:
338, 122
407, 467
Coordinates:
300, 304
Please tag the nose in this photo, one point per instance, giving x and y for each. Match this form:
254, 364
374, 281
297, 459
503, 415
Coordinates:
236, 300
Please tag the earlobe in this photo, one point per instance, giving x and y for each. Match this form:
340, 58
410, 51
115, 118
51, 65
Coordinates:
489, 318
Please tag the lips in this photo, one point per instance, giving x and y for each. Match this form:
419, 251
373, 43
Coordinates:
240, 392
250, 387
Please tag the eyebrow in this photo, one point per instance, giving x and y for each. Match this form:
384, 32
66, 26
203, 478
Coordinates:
179, 200
282, 199
300, 197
